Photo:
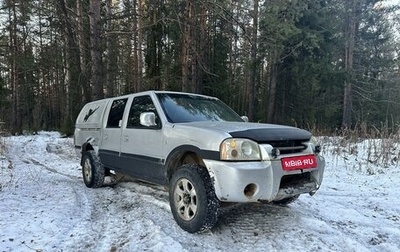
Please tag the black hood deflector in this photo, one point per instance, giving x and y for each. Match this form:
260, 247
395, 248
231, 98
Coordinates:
266, 135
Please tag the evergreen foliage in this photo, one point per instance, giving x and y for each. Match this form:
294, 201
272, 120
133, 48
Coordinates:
314, 64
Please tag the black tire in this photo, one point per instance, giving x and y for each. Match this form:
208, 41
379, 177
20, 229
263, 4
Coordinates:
192, 198
287, 201
92, 170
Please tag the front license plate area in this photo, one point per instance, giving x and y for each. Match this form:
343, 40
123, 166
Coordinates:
299, 163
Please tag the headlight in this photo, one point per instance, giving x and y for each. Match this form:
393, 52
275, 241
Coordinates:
239, 149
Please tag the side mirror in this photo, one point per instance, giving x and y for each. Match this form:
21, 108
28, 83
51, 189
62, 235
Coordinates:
148, 119
245, 118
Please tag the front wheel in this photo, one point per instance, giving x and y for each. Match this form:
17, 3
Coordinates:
192, 198
92, 170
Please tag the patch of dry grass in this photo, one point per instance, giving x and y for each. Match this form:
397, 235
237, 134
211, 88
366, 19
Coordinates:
370, 150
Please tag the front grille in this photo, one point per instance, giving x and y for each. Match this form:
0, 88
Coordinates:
289, 146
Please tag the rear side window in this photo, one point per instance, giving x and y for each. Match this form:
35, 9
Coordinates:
116, 113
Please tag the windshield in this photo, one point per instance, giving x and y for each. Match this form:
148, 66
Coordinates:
181, 108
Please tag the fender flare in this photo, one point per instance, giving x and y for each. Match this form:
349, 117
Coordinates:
175, 156
88, 145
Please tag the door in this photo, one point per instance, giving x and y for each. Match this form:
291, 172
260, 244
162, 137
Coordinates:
111, 138
141, 146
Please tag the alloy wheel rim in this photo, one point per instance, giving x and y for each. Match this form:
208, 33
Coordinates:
185, 197
87, 170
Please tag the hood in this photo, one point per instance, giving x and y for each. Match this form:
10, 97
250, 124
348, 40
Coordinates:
258, 132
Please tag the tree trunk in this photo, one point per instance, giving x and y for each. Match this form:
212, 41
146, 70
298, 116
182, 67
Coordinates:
272, 92
253, 63
202, 47
73, 69
139, 77
96, 78
16, 127
84, 80
155, 47
350, 30
110, 73
186, 46
136, 46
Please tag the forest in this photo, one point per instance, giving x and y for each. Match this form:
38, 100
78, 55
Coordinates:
324, 65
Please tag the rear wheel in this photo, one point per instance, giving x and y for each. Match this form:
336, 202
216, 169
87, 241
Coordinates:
193, 202
92, 170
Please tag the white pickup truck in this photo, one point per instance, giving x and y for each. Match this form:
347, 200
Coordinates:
200, 149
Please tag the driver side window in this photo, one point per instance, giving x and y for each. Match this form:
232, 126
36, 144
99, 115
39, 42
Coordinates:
140, 105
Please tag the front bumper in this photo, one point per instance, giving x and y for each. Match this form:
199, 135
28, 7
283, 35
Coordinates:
262, 180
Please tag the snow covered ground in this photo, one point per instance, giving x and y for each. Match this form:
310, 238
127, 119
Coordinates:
45, 206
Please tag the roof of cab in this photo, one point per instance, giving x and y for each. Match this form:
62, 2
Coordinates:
148, 92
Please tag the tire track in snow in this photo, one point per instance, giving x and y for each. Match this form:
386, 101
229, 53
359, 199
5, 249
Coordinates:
72, 191
34, 161
250, 224
142, 214
99, 228
37, 162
